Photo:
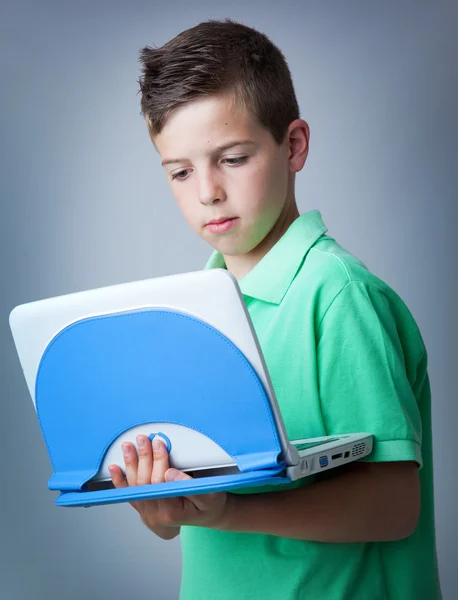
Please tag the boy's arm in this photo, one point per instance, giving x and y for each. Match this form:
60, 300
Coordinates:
367, 502
363, 502
363, 352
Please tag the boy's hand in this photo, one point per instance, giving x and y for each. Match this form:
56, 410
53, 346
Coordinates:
164, 516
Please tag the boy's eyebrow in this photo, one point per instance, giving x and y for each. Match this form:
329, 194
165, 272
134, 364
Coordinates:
217, 149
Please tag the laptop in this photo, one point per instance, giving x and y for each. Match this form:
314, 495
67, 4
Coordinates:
148, 357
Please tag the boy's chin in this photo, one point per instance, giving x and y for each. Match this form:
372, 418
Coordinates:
229, 250
226, 244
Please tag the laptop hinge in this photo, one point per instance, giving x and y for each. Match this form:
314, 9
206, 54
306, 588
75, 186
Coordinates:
258, 461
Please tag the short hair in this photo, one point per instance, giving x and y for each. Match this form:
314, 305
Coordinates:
217, 57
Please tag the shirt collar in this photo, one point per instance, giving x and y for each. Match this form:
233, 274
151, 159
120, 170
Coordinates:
271, 277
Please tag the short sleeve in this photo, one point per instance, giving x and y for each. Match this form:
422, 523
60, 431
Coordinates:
362, 375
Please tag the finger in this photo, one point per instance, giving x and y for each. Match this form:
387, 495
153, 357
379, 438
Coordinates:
117, 476
145, 460
200, 501
131, 462
180, 501
175, 475
160, 462
119, 481
206, 501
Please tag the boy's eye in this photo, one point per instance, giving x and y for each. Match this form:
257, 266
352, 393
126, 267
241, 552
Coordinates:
233, 162
236, 161
180, 175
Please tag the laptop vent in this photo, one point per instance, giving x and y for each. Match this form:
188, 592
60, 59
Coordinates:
358, 449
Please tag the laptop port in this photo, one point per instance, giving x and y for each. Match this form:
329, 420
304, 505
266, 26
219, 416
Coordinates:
336, 456
323, 461
347, 454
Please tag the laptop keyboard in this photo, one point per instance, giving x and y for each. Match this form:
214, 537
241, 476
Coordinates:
307, 445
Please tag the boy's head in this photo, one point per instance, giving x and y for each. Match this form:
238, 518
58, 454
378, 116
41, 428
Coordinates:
215, 84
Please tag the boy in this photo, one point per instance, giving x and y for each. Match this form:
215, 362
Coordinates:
342, 349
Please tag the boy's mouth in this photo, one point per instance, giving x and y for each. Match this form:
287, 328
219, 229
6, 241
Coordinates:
222, 224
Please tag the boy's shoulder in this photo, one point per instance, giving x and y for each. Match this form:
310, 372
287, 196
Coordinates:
333, 277
334, 265
330, 268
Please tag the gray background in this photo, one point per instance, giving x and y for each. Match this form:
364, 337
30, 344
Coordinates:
84, 203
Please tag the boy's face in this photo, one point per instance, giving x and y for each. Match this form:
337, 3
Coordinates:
249, 182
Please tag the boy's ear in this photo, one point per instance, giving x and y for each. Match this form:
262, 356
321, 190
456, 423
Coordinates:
298, 140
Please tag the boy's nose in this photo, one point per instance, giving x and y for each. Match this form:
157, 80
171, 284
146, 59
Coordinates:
210, 191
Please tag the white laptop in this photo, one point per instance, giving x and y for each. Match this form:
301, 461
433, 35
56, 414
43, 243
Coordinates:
213, 297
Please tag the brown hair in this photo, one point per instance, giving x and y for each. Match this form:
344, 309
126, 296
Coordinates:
217, 57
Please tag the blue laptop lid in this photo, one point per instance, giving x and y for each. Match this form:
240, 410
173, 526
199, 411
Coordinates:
103, 375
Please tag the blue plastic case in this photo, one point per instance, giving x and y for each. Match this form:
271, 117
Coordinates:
103, 375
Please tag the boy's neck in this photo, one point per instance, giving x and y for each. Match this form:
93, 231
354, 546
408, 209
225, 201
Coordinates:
240, 266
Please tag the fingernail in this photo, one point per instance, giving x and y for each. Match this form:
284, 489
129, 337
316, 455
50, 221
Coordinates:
141, 442
157, 445
126, 450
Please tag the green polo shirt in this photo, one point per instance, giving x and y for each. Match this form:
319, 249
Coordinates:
344, 355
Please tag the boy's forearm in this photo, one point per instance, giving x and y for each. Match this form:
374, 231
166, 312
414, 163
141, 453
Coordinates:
368, 502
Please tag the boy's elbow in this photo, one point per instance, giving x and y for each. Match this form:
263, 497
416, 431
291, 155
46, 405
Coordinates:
406, 500
397, 529
411, 522
406, 528
397, 499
